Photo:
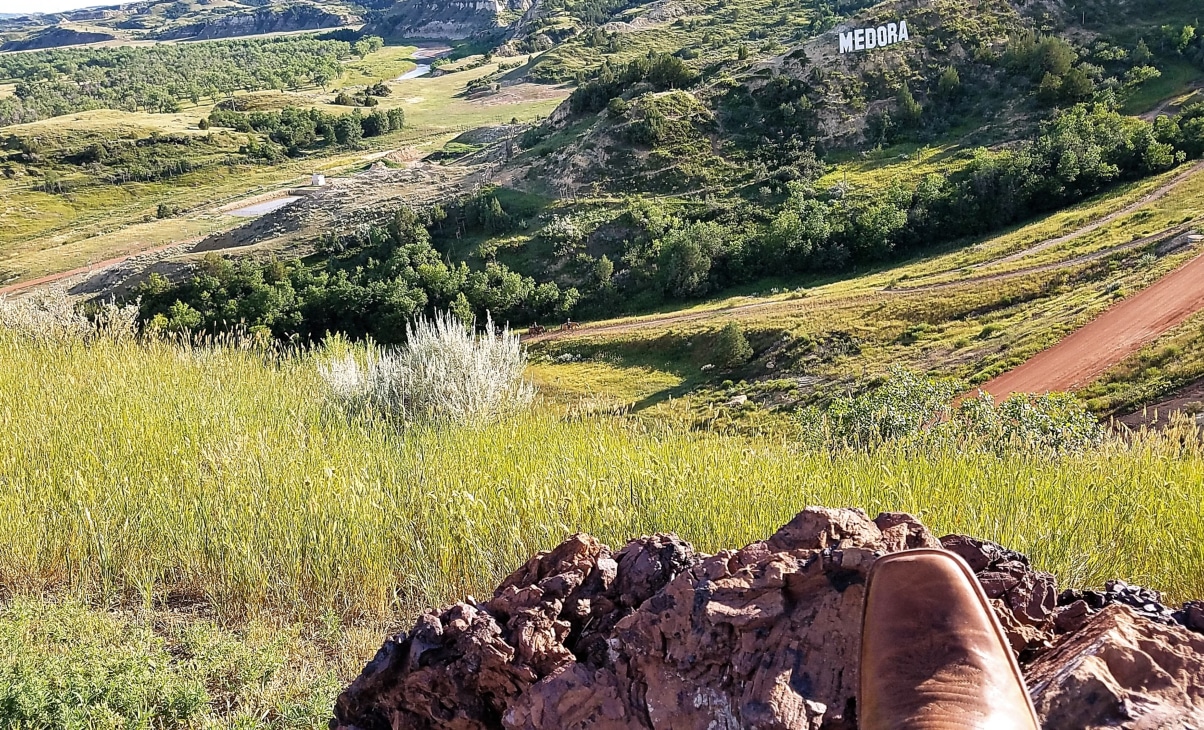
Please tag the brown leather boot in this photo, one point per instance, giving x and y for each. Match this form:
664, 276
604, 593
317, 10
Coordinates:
933, 655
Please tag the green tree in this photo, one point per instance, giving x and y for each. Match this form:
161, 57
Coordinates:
397, 119
461, 309
1141, 54
1185, 37
685, 258
349, 130
950, 83
183, 318
1076, 86
879, 127
1056, 55
1049, 91
376, 124
910, 110
731, 346
604, 269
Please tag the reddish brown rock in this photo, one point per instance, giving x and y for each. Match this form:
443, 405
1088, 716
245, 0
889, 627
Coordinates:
1121, 670
763, 637
1193, 616
766, 637
462, 668
1024, 599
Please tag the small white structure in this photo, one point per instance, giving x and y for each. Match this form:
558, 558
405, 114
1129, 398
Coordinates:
317, 181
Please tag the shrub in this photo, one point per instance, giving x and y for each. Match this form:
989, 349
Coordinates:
1053, 421
905, 405
51, 316
444, 373
563, 234
731, 346
912, 407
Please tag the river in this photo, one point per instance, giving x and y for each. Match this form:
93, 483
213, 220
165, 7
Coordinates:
424, 54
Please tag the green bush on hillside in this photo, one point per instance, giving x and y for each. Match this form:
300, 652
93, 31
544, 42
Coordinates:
905, 405
909, 407
731, 347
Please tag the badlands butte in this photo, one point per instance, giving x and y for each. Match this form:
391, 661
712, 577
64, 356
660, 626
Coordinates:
491, 331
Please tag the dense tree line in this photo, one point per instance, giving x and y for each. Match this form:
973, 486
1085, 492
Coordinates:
372, 283
1078, 153
111, 160
159, 78
290, 131
370, 288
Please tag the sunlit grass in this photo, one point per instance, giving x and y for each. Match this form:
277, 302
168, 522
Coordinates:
148, 475
1177, 79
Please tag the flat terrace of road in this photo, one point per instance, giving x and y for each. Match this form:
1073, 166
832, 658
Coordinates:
1116, 334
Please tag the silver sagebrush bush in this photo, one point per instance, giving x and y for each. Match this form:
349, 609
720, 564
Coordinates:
50, 315
444, 372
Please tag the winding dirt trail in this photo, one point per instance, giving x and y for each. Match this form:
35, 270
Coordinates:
1119, 332
1133, 207
1174, 103
653, 321
21, 286
678, 318
1163, 235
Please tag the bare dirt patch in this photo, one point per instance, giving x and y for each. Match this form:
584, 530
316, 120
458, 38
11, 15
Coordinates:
1189, 400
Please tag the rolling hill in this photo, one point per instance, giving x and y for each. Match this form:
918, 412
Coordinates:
707, 148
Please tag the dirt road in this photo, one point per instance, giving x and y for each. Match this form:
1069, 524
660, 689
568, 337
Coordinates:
21, 286
654, 321
1153, 196
1117, 333
622, 327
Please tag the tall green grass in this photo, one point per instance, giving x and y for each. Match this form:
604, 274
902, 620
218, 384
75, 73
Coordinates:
151, 473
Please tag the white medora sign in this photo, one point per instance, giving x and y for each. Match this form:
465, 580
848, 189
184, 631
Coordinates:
867, 39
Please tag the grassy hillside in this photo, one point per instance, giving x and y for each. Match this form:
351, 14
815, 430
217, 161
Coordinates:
171, 557
766, 241
956, 313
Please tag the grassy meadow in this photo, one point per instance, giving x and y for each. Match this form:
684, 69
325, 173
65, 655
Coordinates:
153, 475
195, 536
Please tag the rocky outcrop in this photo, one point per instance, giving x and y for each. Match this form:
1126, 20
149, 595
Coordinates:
260, 21
1121, 670
56, 37
658, 636
444, 19
660, 12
